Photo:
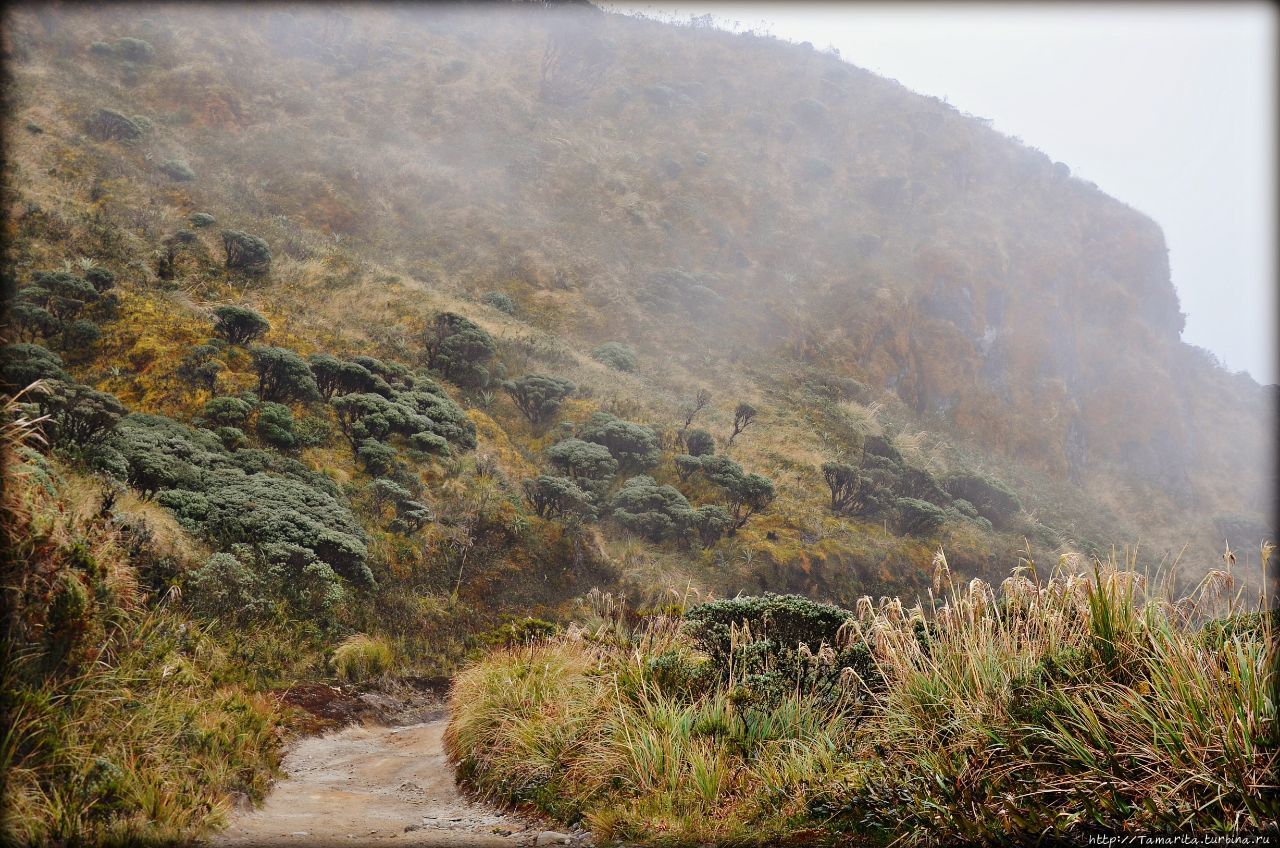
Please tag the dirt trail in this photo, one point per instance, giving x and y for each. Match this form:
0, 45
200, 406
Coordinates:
368, 785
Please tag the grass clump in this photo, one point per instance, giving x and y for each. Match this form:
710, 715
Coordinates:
360, 657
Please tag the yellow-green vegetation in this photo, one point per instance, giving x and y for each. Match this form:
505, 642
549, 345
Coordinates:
1082, 703
341, 377
360, 657
126, 721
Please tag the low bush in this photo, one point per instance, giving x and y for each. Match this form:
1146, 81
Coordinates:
616, 355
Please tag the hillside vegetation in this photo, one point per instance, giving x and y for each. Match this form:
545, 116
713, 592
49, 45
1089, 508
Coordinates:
352, 342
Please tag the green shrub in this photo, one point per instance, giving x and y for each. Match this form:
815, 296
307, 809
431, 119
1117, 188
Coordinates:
110, 125
582, 460
500, 302
918, 518
23, 363
77, 414
80, 335
239, 325
225, 587
102, 279
992, 499
634, 446
338, 376
177, 170
616, 355
275, 426
283, 375
134, 50
558, 497
747, 494
658, 513
202, 365
246, 253
699, 443
362, 657
377, 458
225, 412
200, 220
458, 348
232, 438
538, 396
781, 646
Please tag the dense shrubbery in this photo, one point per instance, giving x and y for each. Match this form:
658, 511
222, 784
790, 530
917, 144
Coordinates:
459, 349
987, 720
656, 512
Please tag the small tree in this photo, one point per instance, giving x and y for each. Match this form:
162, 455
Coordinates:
275, 426
239, 325
537, 396
341, 376
699, 443
691, 409
80, 335
110, 125
22, 364
552, 497
582, 460
845, 484
283, 375
992, 499
78, 415
32, 322
102, 279
363, 415
743, 416
225, 412
634, 446
500, 301
378, 458
246, 253
201, 366
457, 347
752, 494
919, 518
710, 523
655, 512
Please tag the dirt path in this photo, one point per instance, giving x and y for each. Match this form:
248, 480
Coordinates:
369, 785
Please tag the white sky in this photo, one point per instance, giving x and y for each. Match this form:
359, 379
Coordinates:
1167, 107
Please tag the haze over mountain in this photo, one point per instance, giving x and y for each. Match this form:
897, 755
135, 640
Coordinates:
345, 343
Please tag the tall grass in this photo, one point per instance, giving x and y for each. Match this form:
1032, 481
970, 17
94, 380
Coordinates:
123, 722
362, 657
1086, 702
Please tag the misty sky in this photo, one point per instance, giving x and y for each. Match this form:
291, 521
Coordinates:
1167, 107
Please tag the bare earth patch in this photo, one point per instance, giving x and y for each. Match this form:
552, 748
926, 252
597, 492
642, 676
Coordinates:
373, 785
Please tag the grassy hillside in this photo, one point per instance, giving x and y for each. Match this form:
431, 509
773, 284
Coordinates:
408, 331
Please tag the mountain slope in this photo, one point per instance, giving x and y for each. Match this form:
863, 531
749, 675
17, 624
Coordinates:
751, 216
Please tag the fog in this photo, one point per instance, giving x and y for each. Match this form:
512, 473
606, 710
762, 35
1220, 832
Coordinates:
1168, 107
